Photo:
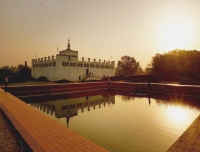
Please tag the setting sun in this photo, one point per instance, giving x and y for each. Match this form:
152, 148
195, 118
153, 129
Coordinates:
176, 32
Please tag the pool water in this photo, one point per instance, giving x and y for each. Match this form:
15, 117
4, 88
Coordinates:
124, 123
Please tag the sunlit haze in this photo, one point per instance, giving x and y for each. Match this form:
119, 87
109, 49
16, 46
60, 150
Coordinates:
101, 29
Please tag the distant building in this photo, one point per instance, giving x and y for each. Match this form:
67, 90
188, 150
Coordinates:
67, 65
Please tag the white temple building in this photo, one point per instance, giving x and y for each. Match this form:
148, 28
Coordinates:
67, 65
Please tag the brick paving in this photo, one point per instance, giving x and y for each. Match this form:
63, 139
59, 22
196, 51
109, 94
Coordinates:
41, 132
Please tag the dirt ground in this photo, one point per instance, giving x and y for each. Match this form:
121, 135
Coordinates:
10, 140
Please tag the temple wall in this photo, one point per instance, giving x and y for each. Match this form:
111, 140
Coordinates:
49, 72
67, 66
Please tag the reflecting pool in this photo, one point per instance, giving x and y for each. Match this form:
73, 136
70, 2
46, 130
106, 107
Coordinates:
125, 122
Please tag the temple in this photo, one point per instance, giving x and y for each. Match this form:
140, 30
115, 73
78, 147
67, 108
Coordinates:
67, 65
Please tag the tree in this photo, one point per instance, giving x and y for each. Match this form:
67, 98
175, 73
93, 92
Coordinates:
176, 64
24, 71
118, 72
20, 67
149, 68
127, 66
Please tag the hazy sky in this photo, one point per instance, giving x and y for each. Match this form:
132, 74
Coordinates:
97, 28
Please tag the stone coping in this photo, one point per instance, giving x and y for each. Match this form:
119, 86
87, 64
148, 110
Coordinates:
189, 140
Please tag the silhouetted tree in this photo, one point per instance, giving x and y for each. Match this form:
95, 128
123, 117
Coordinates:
128, 66
24, 71
176, 64
16, 74
149, 68
20, 66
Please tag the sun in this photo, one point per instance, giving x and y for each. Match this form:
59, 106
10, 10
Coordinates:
175, 33
175, 36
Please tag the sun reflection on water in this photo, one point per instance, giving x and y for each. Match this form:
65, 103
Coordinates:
177, 114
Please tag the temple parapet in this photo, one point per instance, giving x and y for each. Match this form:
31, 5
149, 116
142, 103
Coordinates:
49, 58
89, 60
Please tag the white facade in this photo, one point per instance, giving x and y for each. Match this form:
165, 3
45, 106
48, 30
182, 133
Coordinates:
66, 65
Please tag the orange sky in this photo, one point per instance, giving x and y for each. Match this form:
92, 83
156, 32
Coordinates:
101, 29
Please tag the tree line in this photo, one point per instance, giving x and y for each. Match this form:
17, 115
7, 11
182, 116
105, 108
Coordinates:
177, 64
15, 74
171, 66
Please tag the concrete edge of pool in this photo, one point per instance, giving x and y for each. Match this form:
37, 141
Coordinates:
189, 140
55, 137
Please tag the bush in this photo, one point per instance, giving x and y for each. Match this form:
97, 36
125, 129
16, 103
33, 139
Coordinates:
63, 81
42, 78
114, 78
13, 79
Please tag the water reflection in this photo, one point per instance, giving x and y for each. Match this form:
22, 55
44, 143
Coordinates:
141, 122
67, 108
149, 101
165, 100
178, 101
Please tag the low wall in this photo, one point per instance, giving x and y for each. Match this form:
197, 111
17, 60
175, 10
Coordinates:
182, 90
35, 90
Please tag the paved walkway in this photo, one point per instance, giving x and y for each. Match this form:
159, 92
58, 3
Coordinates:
41, 132
189, 141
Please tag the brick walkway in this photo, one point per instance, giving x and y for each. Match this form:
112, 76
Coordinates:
41, 132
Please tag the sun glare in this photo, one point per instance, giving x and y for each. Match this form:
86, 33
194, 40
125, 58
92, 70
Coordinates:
175, 33
177, 114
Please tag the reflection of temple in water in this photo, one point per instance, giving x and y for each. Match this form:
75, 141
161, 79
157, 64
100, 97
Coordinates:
70, 107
